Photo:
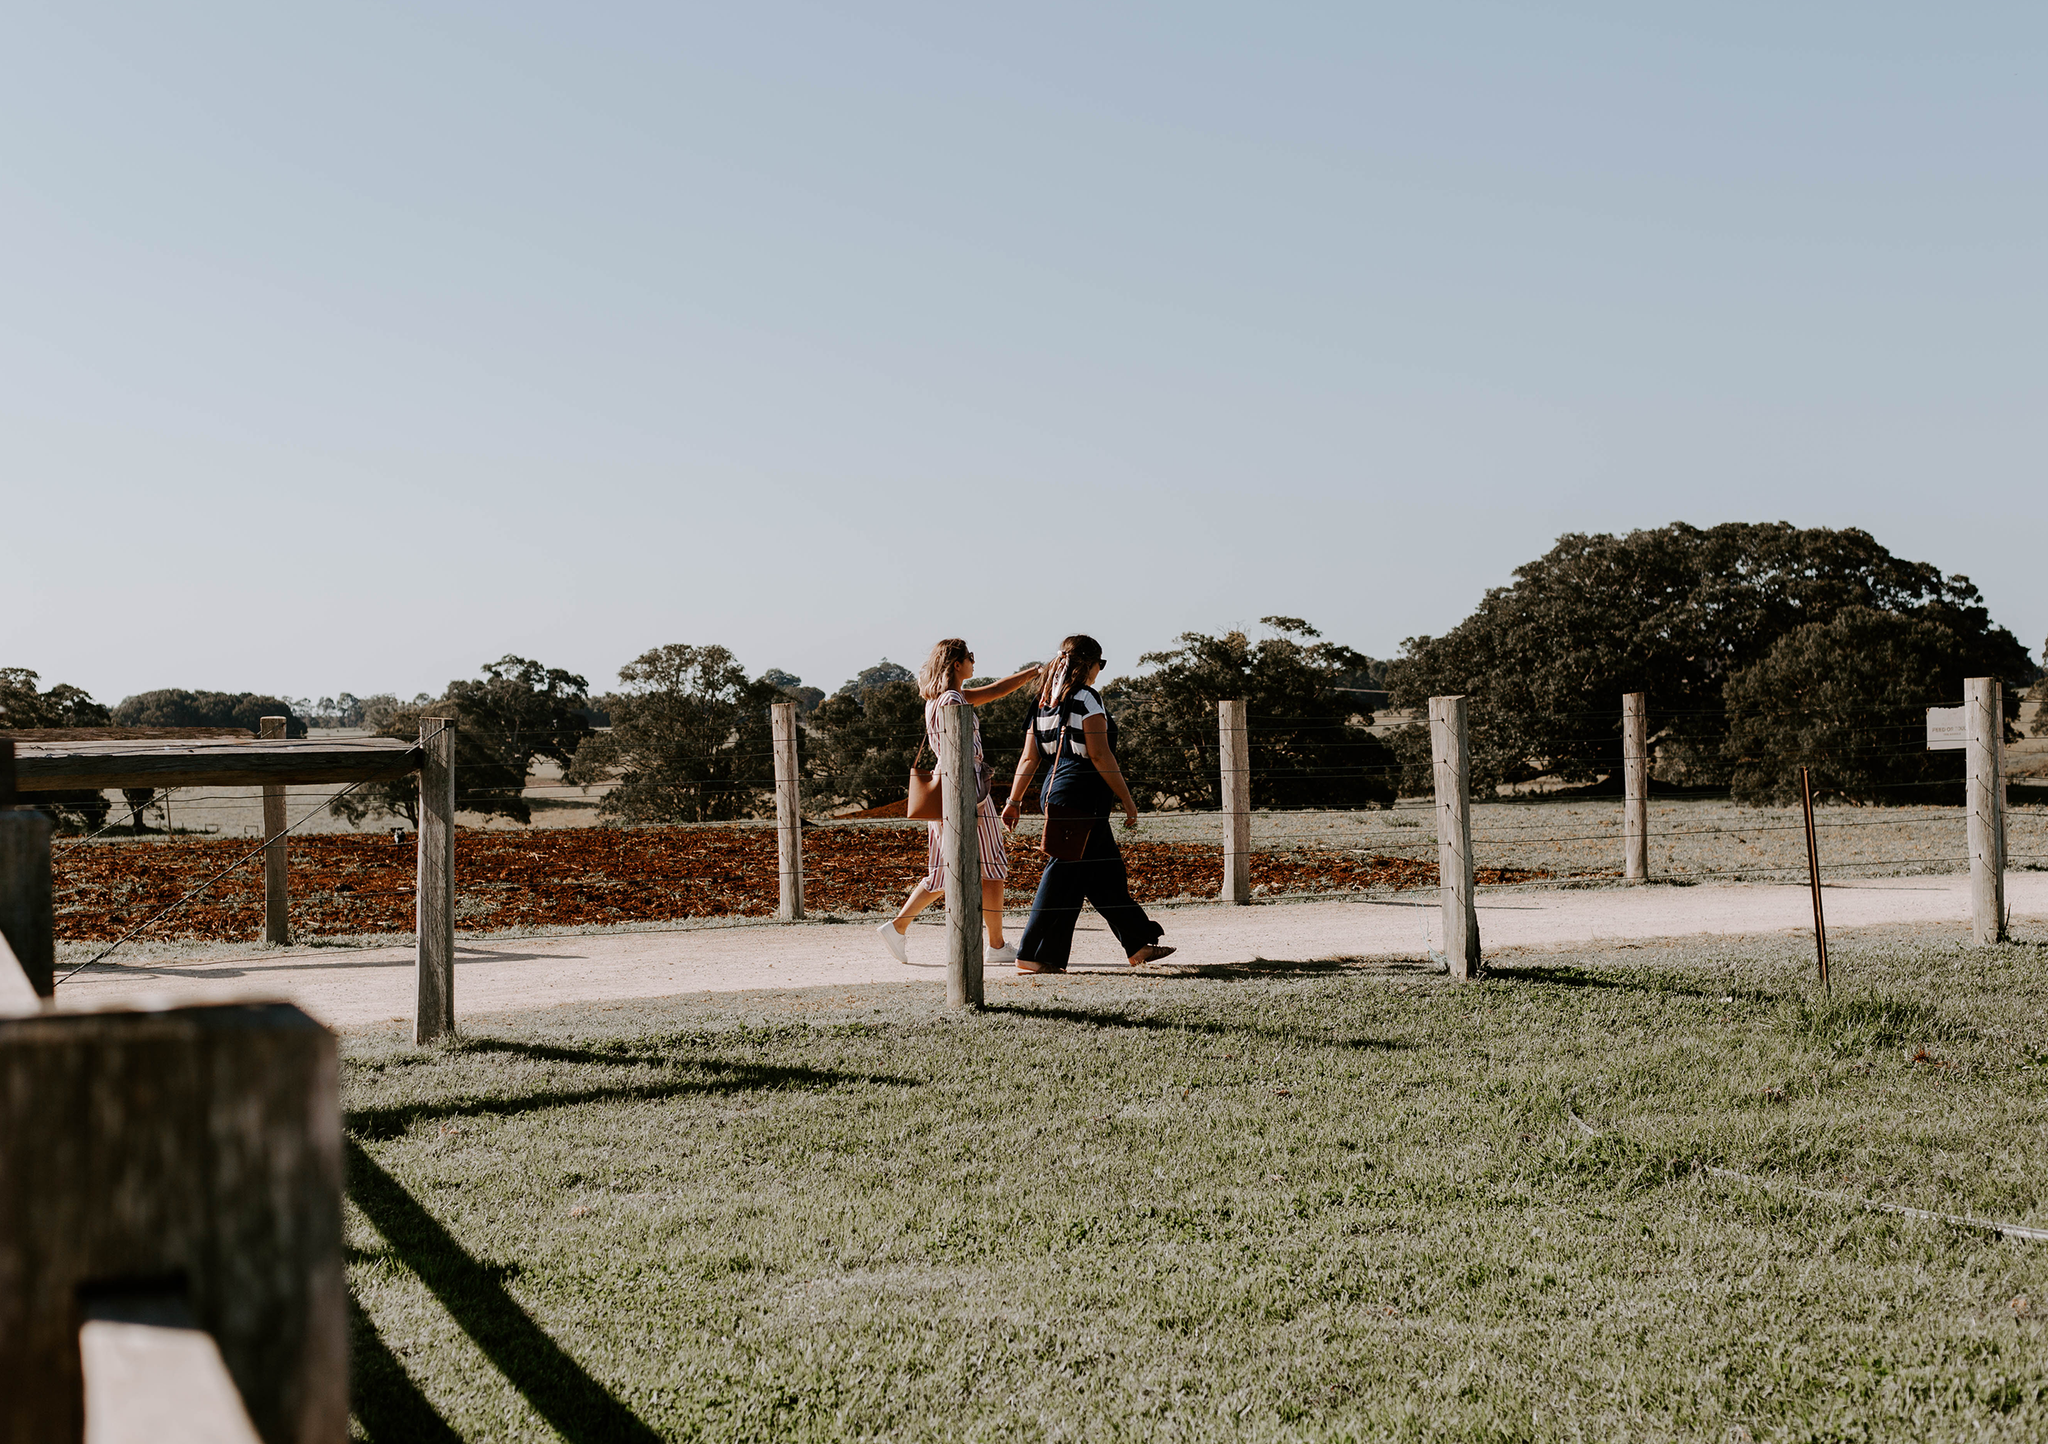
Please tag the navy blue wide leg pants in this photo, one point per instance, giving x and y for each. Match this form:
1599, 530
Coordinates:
1096, 877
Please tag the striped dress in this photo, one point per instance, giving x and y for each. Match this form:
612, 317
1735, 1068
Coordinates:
995, 862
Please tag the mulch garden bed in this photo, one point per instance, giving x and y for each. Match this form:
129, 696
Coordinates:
342, 884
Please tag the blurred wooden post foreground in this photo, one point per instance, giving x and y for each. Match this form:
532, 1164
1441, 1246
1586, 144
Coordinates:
1635, 775
960, 840
166, 1175
789, 822
1984, 727
277, 925
1450, 756
1234, 749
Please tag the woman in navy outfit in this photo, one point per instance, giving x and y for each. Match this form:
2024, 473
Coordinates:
1073, 734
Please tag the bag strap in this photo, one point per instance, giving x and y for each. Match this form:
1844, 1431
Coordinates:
1059, 749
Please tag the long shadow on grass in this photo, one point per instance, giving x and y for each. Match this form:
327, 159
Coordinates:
382, 1396
371, 1124
1109, 1018
1566, 977
581, 1410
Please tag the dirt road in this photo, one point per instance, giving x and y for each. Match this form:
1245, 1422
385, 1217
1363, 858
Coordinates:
367, 986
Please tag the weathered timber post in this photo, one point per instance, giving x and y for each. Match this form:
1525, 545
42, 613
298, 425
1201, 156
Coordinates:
277, 925
1635, 776
960, 839
193, 1152
1984, 728
434, 900
1449, 752
789, 822
26, 918
1235, 753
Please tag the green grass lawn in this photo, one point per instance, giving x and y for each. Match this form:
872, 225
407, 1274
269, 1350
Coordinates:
1296, 1201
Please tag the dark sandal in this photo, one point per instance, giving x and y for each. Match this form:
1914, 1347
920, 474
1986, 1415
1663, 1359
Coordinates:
1150, 953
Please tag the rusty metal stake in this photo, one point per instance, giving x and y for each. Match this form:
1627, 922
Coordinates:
1820, 927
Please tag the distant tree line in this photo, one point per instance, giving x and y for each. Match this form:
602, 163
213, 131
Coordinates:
1762, 649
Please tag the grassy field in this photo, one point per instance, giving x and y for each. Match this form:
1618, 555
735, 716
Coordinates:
1287, 1201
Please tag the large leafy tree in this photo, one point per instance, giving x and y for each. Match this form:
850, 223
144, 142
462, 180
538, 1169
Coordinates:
1846, 698
24, 703
517, 711
689, 740
1307, 749
1676, 613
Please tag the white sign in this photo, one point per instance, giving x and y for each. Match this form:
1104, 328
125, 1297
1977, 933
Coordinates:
1946, 730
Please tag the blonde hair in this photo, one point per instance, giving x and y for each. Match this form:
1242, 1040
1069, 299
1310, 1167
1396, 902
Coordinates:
936, 675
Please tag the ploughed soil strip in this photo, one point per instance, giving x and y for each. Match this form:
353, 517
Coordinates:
343, 884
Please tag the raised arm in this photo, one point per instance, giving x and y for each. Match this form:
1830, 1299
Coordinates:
982, 696
1095, 732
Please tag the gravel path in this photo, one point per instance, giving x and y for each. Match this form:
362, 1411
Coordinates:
347, 987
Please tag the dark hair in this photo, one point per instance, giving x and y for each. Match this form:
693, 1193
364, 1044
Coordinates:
1065, 673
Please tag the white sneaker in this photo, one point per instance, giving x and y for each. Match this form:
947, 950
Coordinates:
893, 941
999, 957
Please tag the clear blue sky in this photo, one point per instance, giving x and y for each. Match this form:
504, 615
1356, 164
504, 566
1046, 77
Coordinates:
348, 347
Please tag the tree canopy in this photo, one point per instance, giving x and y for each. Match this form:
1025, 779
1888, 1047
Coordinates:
1677, 613
24, 703
1848, 699
1307, 747
689, 740
177, 707
516, 711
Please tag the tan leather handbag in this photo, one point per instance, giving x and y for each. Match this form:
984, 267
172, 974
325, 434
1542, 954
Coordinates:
927, 802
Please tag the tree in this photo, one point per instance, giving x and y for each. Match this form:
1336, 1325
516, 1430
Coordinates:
689, 740
863, 741
1848, 698
517, 711
176, 707
1306, 748
793, 690
1675, 613
23, 704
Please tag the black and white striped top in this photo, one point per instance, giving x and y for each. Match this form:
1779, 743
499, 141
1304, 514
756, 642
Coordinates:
1073, 780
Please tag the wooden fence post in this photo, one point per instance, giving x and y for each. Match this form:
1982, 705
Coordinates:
1635, 775
26, 918
194, 1152
434, 898
277, 924
1234, 752
961, 847
1984, 727
1449, 752
789, 822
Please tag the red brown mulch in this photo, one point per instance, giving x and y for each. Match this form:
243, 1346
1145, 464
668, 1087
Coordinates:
581, 876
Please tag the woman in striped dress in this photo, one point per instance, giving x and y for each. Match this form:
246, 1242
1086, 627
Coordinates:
943, 681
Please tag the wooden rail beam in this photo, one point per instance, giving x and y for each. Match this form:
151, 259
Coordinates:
209, 762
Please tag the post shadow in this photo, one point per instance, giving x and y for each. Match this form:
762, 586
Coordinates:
577, 1406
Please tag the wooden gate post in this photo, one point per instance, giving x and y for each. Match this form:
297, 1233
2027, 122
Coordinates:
434, 900
961, 847
26, 918
1635, 774
1235, 753
277, 925
1450, 754
789, 823
189, 1153
1984, 729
